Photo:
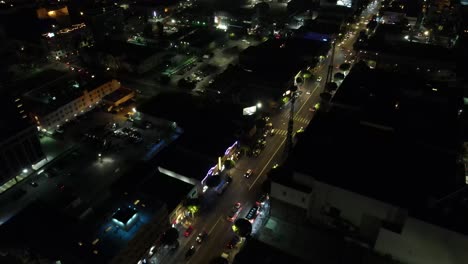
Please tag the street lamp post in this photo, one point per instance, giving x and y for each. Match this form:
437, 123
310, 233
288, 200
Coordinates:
289, 140
100, 157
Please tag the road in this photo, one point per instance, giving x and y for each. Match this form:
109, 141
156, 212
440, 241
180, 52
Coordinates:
246, 191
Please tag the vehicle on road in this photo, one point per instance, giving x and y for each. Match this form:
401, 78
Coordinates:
188, 231
234, 212
316, 107
223, 185
248, 173
201, 236
190, 252
261, 201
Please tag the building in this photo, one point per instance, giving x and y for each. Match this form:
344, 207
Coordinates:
118, 97
388, 48
201, 142
20, 149
377, 169
106, 23
62, 99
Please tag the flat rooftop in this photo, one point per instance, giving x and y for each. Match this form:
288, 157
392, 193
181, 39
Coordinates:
125, 214
402, 155
118, 94
195, 165
167, 189
49, 95
209, 127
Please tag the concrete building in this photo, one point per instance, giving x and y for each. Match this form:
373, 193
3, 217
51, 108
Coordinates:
373, 168
60, 100
118, 97
20, 149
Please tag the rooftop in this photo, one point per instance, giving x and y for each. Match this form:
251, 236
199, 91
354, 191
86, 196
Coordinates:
118, 94
382, 141
422, 51
205, 123
166, 189
56, 92
195, 165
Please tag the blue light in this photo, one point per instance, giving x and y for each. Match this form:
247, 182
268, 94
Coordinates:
324, 39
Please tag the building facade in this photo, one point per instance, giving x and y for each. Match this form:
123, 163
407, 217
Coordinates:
73, 108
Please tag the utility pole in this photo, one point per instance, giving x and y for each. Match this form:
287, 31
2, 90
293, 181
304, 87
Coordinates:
289, 138
330, 65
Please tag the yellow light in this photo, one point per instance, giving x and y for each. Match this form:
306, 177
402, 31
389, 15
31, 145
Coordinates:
166, 9
51, 13
219, 163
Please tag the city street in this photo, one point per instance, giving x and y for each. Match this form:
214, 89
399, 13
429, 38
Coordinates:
246, 191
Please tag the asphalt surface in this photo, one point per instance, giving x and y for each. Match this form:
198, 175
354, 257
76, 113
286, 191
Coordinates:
246, 191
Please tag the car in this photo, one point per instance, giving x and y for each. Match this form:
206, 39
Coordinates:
316, 107
233, 242
188, 231
190, 252
256, 152
248, 173
261, 201
272, 132
234, 212
201, 236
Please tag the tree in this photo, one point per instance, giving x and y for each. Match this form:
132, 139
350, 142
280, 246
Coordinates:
242, 227
229, 164
345, 66
299, 79
213, 181
339, 76
170, 236
164, 79
331, 86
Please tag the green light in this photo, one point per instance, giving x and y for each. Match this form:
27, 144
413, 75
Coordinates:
235, 228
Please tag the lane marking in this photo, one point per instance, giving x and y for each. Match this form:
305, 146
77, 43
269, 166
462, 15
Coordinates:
268, 162
211, 230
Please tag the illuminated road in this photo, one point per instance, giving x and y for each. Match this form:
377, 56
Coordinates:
246, 191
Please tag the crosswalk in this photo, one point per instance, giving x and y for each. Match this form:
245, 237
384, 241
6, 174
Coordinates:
281, 132
297, 119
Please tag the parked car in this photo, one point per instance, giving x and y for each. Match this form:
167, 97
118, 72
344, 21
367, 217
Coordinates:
248, 173
234, 212
201, 236
190, 252
188, 231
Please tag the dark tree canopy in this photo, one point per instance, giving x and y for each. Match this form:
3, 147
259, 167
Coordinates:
244, 227
325, 96
339, 76
213, 181
345, 66
331, 86
170, 236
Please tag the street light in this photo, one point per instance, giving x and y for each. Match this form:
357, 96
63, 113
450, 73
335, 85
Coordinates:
259, 105
25, 171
